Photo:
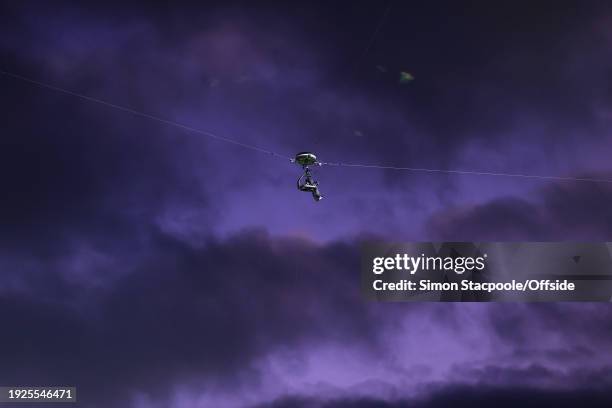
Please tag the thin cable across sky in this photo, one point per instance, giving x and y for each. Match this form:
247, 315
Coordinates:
282, 156
144, 115
468, 172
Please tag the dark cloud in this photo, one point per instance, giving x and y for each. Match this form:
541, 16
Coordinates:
477, 79
184, 313
559, 211
465, 397
130, 266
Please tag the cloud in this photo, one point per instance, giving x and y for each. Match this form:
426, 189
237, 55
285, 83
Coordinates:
254, 317
182, 313
462, 397
558, 211
125, 250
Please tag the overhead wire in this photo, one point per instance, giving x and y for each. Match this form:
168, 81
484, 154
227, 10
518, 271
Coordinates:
144, 115
357, 62
466, 172
377, 29
275, 154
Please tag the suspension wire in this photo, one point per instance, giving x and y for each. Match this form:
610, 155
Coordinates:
466, 172
379, 26
143, 114
357, 61
274, 154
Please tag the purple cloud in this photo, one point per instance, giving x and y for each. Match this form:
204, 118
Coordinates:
180, 271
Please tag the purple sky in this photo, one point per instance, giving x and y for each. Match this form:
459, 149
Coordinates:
152, 267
